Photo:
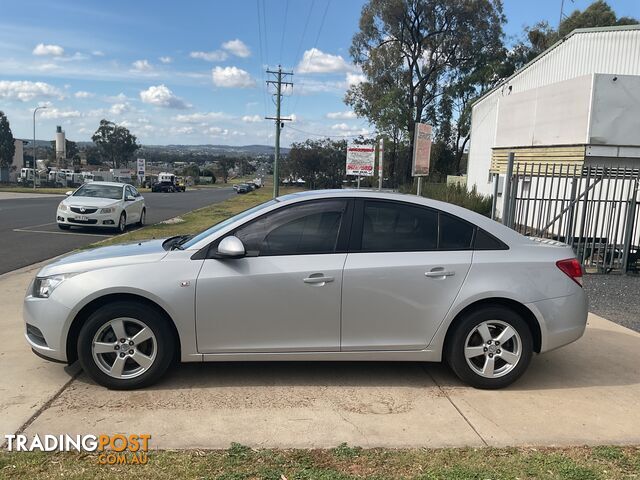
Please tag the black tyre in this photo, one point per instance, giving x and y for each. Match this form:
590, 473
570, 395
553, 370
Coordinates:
62, 226
122, 223
490, 347
143, 216
126, 345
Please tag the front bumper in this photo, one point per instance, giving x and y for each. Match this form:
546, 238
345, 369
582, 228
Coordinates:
46, 326
107, 220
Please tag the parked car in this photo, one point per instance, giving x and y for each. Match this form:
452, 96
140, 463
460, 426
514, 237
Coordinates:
102, 204
243, 188
322, 275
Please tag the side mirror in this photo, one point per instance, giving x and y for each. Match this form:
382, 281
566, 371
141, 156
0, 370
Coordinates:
69, 193
231, 247
129, 198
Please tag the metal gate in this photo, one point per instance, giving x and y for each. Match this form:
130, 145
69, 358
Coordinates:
593, 208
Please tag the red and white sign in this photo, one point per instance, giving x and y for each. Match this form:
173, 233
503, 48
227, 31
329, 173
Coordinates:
361, 160
421, 150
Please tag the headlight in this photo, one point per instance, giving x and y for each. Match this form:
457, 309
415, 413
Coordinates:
63, 207
108, 210
44, 286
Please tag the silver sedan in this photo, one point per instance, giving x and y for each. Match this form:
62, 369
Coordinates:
324, 275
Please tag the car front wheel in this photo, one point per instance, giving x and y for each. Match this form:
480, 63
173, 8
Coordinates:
143, 216
125, 345
490, 347
122, 223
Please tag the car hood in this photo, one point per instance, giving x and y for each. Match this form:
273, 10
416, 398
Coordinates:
89, 201
105, 257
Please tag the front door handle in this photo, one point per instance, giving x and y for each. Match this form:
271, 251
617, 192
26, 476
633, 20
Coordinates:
439, 272
318, 279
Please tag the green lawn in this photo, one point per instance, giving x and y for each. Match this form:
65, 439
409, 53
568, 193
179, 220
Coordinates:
197, 220
342, 462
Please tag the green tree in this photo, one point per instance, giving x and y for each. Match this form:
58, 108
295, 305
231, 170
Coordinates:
116, 144
409, 51
226, 164
320, 163
7, 142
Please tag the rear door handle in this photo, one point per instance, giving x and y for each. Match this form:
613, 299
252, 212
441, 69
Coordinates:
439, 272
317, 279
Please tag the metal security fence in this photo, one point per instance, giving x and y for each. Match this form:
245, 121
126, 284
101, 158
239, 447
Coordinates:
593, 208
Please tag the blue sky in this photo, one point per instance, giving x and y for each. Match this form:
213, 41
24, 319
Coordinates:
192, 72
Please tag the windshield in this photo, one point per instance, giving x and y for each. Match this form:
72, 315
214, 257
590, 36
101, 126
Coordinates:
224, 223
99, 191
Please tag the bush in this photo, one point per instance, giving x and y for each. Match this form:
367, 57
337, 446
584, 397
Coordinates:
458, 195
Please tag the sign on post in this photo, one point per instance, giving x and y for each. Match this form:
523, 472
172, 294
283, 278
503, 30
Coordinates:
142, 164
421, 150
361, 160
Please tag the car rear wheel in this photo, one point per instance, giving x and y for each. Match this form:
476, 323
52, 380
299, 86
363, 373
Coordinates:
125, 345
490, 347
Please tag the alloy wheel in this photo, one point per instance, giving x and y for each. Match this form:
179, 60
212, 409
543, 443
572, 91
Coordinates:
493, 348
124, 348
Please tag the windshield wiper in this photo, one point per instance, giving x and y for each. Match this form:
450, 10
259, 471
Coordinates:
180, 240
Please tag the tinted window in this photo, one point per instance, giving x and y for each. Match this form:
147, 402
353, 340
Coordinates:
394, 227
485, 241
307, 228
455, 234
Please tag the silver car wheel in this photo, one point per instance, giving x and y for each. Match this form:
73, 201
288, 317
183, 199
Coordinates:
493, 348
122, 224
124, 348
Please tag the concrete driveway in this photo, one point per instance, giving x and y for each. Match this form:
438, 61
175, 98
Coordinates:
586, 393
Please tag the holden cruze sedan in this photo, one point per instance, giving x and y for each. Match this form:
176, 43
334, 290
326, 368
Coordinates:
102, 204
323, 275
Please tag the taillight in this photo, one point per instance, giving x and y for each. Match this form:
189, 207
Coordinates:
572, 268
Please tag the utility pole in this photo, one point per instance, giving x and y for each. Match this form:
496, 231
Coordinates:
278, 76
380, 163
34, 144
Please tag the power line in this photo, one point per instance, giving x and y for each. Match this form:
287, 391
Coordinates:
264, 29
284, 28
304, 31
264, 95
278, 82
313, 50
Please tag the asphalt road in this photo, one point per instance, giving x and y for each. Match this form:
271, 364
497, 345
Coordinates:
29, 234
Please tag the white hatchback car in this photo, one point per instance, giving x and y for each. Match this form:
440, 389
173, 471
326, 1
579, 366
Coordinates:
102, 204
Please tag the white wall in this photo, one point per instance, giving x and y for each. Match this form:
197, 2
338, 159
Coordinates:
616, 110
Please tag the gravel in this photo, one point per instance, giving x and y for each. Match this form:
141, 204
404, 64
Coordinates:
615, 297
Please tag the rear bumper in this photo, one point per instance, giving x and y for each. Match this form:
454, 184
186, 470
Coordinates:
562, 320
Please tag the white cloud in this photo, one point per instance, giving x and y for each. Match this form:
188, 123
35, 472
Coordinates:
142, 66
213, 56
119, 98
252, 118
26, 91
342, 115
340, 126
216, 131
183, 130
97, 53
199, 117
237, 47
45, 50
119, 108
232, 77
166, 59
83, 94
161, 96
316, 61
355, 79
55, 113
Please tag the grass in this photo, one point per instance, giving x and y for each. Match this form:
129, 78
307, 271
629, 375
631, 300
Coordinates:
340, 463
197, 220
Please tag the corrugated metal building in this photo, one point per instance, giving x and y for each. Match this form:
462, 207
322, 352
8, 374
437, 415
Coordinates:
576, 102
